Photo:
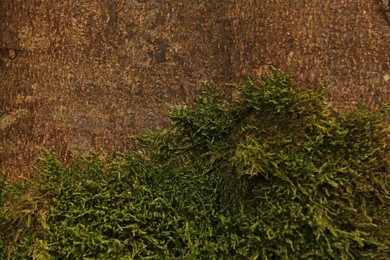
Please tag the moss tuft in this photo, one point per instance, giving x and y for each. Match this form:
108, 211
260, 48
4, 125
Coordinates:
272, 173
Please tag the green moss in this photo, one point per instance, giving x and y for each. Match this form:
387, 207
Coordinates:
272, 173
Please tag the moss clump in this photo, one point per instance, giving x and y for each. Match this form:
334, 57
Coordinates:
273, 173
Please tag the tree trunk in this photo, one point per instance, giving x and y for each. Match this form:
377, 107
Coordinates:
80, 75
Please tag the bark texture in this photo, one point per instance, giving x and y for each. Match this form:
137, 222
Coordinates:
80, 75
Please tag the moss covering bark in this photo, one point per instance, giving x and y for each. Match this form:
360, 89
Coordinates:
273, 173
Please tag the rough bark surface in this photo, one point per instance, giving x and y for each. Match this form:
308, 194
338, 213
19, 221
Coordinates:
80, 75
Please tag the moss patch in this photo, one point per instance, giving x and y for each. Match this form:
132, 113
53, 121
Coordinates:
272, 173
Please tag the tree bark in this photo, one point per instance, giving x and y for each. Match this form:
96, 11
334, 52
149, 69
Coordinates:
80, 75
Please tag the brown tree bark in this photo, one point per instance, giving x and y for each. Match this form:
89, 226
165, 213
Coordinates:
80, 75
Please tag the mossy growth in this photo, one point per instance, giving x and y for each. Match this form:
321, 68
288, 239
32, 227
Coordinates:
273, 173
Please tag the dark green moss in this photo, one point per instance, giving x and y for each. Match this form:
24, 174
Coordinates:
272, 173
